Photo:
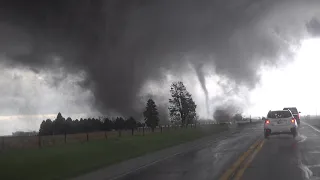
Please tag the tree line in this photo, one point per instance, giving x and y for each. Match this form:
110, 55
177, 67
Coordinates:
182, 111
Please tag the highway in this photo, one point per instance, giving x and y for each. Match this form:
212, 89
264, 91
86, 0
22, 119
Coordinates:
246, 155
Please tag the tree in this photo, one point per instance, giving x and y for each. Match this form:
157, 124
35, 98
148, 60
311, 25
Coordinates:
130, 123
182, 107
69, 125
119, 123
151, 114
108, 125
76, 126
139, 124
46, 127
24, 133
59, 125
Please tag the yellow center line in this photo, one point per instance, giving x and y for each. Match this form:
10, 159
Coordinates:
247, 163
236, 165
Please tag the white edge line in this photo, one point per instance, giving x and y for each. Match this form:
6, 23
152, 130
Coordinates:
314, 128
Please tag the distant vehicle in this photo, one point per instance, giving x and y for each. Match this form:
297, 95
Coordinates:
308, 117
280, 122
295, 113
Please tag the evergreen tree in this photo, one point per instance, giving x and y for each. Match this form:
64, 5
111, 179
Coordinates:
59, 125
46, 128
108, 125
119, 123
130, 123
151, 115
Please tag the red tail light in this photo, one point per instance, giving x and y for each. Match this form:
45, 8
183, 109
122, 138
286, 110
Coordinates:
267, 121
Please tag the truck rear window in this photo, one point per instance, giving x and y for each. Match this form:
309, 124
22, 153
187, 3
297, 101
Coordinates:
279, 114
293, 110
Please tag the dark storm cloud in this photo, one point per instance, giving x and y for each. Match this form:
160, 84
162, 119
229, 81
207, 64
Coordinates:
122, 43
313, 27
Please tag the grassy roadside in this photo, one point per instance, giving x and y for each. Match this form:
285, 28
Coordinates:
74, 159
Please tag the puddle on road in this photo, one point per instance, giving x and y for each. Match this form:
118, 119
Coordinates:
306, 171
313, 169
301, 138
308, 157
305, 158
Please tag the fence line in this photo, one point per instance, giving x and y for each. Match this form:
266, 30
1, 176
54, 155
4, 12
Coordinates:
22, 142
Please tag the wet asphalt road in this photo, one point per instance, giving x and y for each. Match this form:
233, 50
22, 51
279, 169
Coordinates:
281, 157
203, 164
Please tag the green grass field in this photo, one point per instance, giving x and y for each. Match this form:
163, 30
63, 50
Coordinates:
77, 158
